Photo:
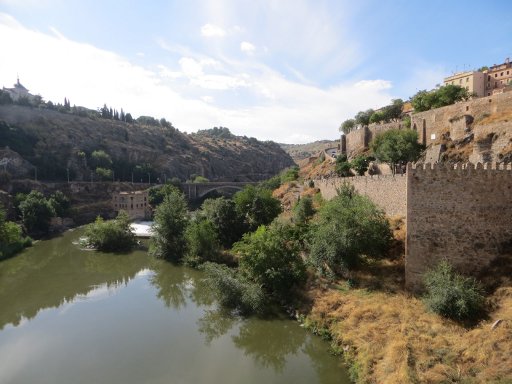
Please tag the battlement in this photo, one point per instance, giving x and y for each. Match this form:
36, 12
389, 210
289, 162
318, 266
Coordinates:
457, 168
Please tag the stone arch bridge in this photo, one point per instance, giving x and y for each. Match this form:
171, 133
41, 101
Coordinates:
195, 191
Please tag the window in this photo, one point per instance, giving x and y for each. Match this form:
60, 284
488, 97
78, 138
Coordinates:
501, 74
489, 78
495, 75
467, 108
488, 93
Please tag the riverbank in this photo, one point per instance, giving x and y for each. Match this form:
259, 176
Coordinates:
386, 335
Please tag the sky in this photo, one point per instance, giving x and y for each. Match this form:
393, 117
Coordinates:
284, 70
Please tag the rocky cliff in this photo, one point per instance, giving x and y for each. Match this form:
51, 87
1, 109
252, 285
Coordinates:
57, 144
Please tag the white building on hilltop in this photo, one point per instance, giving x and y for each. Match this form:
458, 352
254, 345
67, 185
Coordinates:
18, 92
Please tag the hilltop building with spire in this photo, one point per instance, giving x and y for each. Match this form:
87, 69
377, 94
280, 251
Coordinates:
18, 91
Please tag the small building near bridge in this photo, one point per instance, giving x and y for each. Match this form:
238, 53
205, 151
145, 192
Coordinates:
135, 204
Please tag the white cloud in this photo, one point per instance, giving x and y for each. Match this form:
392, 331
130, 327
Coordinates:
247, 47
210, 30
250, 98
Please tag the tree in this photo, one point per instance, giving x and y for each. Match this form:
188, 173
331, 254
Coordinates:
168, 241
112, 235
11, 237
360, 164
60, 204
396, 146
268, 257
101, 159
223, 215
104, 173
376, 117
445, 95
349, 226
158, 193
202, 242
36, 212
342, 167
347, 126
362, 118
303, 210
256, 206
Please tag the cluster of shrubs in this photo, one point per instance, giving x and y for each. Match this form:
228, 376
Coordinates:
12, 239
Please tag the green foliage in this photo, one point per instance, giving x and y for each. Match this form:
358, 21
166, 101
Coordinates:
202, 242
168, 241
452, 295
228, 224
290, 174
11, 237
36, 212
271, 258
200, 179
363, 117
233, 290
60, 204
104, 173
256, 206
158, 193
397, 146
303, 210
406, 121
347, 126
100, 159
349, 226
218, 132
440, 97
360, 164
272, 183
342, 167
112, 235
5, 98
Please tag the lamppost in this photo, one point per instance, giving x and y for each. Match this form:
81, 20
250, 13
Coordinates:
149, 178
67, 171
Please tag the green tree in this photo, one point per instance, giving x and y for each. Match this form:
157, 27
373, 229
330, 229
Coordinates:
223, 215
349, 226
452, 295
303, 210
440, 97
101, 159
200, 179
233, 290
360, 164
112, 235
158, 193
396, 146
342, 167
60, 204
168, 241
11, 237
376, 117
256, 206
36, 212
363, 117
104, 173
268, 257
347, 126
202, 242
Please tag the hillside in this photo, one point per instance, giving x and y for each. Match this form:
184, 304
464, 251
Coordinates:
303, 151
57, 143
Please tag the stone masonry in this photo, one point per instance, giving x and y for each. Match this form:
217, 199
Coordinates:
460, 213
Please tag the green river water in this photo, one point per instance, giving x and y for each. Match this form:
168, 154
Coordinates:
74, 316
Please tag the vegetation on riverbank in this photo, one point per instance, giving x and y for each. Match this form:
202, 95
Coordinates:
12, 239
111, 235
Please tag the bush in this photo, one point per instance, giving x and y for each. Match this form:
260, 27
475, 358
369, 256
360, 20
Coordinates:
234, 291
11, 237
36, 212
270, 257
60, 204
228, 224
112, 235
256, 206
360, 164
342, 167
349, 226
303, 210
452, 295
157, 193
202, 242
168, 241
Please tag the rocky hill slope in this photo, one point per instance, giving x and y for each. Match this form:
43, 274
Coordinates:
300, 152
60, 143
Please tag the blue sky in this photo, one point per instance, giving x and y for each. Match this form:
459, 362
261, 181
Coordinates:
289, 71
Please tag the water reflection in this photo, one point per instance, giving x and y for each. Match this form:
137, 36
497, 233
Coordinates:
55, 272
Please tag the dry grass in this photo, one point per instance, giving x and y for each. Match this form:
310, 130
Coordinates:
503, 116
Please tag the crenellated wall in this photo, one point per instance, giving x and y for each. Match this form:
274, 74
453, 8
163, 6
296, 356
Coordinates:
388, 192
462, 213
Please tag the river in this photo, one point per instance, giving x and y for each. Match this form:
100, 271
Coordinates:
74, 316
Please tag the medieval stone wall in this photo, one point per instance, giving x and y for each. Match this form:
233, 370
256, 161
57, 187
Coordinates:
388, 192
461, 213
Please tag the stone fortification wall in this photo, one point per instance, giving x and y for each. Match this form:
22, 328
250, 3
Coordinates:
359, 139
457, 118
388, 192
460, 213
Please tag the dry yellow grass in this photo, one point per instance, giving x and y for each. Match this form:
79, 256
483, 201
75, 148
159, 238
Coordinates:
391, 338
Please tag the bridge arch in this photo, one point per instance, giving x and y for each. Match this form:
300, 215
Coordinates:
204, 192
